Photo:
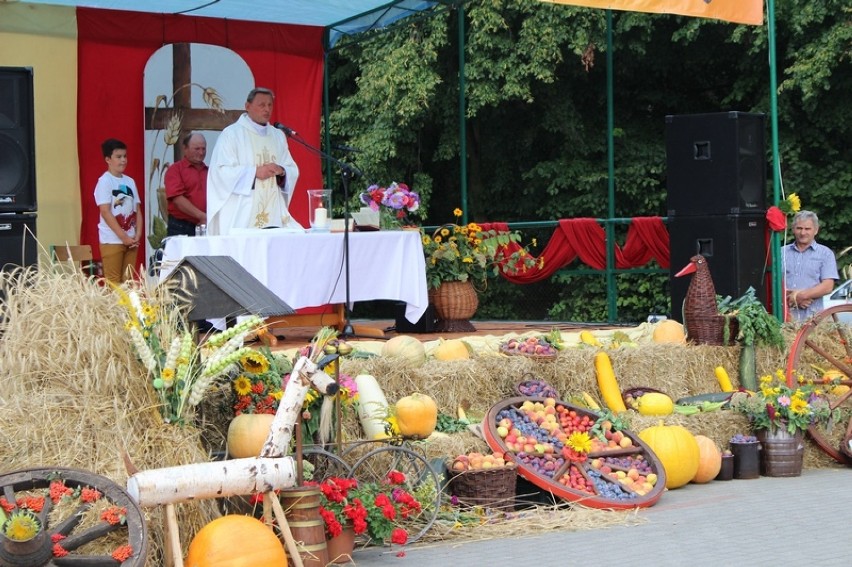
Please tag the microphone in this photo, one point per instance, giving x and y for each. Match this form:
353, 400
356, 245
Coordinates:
344, 148
289, 132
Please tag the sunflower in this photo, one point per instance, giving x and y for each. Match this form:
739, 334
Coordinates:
799, 406
255, 363
242, 385
22, 526
580, 442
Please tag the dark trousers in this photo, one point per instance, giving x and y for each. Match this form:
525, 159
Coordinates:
177, 227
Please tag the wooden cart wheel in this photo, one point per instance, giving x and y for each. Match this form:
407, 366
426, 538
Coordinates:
821, 353
81, 513
594, 479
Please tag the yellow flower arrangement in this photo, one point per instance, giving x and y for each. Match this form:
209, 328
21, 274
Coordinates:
778, 406
460, 253
181, 371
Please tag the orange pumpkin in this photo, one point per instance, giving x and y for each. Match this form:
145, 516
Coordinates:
676, 448
247, 433
709, 460
236, 541
669, 331
416, 415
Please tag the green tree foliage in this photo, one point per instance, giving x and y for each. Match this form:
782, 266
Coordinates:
535, 92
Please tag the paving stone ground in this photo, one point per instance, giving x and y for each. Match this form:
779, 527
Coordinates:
804, 520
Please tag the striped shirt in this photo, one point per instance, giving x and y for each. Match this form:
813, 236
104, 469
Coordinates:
805, 269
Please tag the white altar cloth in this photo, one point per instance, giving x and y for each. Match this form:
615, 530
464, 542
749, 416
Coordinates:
307, 269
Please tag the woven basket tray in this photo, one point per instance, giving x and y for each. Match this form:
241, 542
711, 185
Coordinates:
492, 487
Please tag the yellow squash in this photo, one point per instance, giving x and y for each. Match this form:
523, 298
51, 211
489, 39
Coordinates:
607, 384
724, 380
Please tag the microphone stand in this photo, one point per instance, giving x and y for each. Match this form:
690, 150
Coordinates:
348, 172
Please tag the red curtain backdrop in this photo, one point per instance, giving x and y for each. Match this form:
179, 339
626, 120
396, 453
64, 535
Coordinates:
113, 48
647, 238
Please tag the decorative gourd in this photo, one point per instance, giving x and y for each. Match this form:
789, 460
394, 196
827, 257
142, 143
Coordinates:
416, 415
709, 460
247, 433
372, 406
236, 541
453, 349
677, 450
607, 383
406, 348
655, 403
669, 331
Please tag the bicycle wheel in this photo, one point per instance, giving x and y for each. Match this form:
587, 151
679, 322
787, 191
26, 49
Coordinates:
319, 464
421, 481
821, 353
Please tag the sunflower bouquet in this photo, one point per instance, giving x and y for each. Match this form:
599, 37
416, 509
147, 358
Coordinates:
460, 253
778, 406
257, 385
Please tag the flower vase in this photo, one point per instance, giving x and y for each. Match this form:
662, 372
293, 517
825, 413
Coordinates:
783, 452
388, 219
455, 303
340, 547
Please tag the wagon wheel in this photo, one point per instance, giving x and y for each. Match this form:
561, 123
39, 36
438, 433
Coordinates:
821, 349
90, 517
421, 480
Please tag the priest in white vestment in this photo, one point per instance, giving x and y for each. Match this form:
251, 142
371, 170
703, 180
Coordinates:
252, 174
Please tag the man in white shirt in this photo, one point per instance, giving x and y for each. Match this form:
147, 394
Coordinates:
252, 174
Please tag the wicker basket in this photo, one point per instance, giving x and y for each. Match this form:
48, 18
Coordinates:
494, 488
455, 303
711, 330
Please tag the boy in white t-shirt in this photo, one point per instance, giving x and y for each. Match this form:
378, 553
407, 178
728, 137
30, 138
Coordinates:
118, 202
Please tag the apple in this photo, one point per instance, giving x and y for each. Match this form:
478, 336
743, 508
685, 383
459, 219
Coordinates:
505, 422
502, 432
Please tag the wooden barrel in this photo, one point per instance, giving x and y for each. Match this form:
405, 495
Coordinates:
301, 508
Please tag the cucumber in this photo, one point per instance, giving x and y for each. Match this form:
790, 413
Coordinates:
711, 397
748, 368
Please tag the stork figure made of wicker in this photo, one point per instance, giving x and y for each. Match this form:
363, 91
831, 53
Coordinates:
704, 324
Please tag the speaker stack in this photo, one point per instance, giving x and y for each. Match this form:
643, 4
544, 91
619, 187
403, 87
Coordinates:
717, 200
18, 210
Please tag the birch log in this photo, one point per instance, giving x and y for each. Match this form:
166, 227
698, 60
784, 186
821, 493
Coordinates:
304, 374
219, 479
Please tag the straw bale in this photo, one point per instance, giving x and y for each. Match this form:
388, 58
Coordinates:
73, 394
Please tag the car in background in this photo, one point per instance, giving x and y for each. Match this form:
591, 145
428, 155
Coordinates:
840, 296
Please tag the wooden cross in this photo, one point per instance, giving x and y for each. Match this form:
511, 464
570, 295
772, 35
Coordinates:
192, 118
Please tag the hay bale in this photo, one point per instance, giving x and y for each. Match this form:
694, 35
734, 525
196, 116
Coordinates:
490, 377
73, 394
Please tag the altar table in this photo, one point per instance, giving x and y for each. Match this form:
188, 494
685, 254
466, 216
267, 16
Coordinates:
307, 269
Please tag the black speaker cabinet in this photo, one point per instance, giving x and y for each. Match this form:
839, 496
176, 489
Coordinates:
716, 164
18, 246
17, 146
734, 246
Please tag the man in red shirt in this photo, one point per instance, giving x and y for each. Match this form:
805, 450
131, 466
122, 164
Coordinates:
186, 188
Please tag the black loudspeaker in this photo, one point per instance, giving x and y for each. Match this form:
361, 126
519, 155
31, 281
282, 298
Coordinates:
17, 146
716, 164
18, 246
735, 249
